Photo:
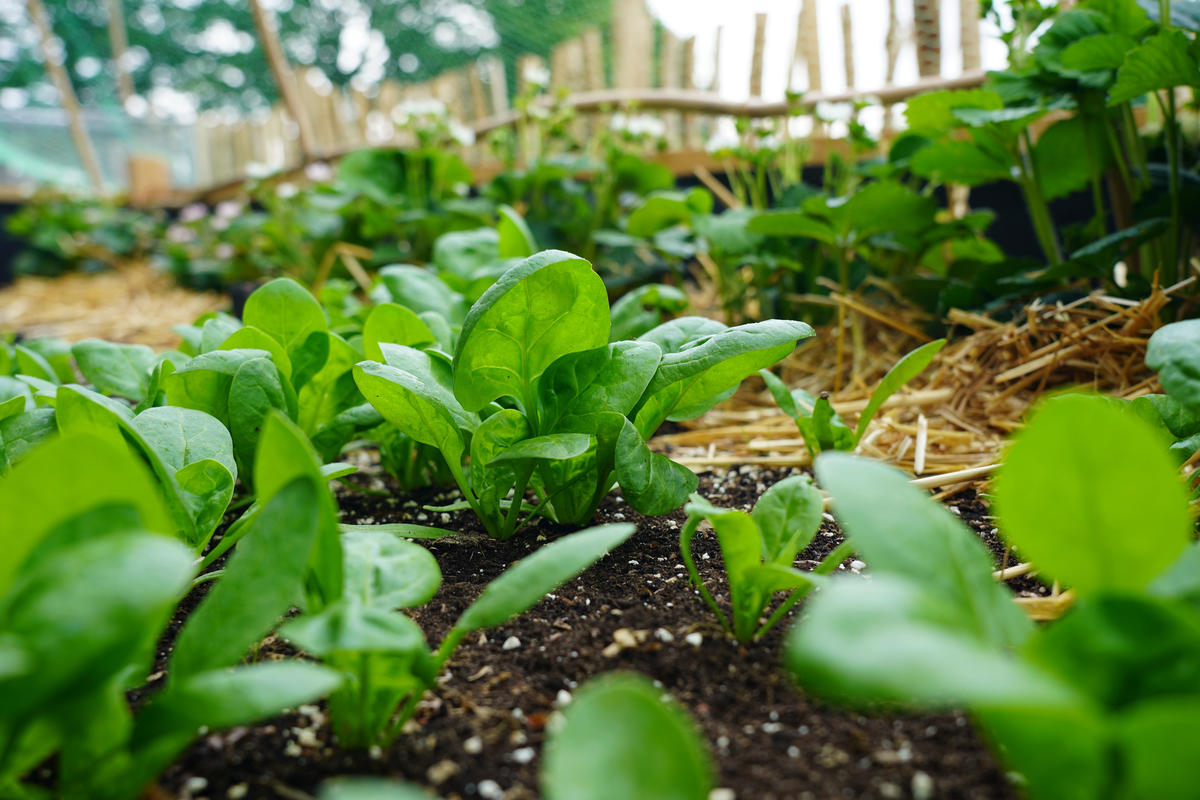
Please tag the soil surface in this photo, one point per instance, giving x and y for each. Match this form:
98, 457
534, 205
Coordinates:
481, 734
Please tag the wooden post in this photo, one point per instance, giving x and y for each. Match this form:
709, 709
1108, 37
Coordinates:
53, 55
284, 79
118, 42
670, 76
497, 83
633, 42
927, 29
593, 59
714, 86
969, 28
756, 60
892, 47
848, 45
691, 123
811, 46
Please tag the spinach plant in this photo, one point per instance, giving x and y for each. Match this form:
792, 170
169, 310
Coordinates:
382, 654
90, 569
821, 427
1108, 517
759, 550
1174, 352
535, 395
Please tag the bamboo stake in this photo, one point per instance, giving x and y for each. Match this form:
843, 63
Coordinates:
118, 42
968, 23
285, 80
848, 45
927, 29
756, 61
811, 44
54, 55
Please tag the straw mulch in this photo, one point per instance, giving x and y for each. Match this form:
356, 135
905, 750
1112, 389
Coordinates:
958, 413
133, 304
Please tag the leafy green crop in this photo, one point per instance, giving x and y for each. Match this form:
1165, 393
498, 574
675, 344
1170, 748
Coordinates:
1174, 352
620, 738
821, 427
88, 581
382, 654
536, 397
759, 550
932, 628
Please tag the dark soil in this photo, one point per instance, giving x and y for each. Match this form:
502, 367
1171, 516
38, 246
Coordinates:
480, 735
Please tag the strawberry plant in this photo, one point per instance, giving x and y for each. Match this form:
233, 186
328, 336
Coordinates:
535, 395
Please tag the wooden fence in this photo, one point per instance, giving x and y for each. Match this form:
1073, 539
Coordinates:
319, 121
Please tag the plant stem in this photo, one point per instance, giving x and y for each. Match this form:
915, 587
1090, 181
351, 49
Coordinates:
827, 565
685, 547
1171, 137
1039, 212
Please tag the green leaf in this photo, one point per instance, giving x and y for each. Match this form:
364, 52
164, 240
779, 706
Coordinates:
115, 369
1069, 498
652, 483
889, 640
553, 447
516, 240
285, 454
665, 209
1102, 51
525, 583
395, 324
931, 113
411, 405
384, 571
908, 367
546, 306
956, 161
620, 738
21, 433
34, 364
1174, 353
460, 255
1160, 746
402, 529
788, 516
692, 380
793, 223
1061, 156
1163, 61
420, 290
222, 698
286, 311
254, 339
263, 578
900, 531
255, 389
64, 478
611, 378
641, 309
350, 627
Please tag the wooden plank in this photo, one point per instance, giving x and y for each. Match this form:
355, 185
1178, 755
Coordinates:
708, 103
756, 57
285, 81
53, 58
633, 41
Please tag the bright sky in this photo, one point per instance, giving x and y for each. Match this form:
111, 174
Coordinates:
701, 18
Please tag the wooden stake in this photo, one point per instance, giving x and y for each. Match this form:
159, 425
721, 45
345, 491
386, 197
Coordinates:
285, 81
968, 24
848, 45
812, 47
633, 42
54, 55
927, 29
756, 62
118, 42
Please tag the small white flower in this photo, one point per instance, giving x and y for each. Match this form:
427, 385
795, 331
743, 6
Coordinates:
461, 133
286, 190
835, 112
228, 209
318, 171
224, 251
180, 234
193, 212
536, 75
1121, 274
